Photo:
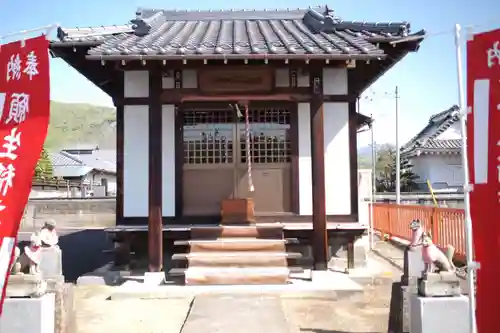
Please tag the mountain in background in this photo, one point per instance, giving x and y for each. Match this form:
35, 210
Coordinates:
365, 154
78, 123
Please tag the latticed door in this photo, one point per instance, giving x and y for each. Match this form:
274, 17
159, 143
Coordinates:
270, 156
215, 158
209, 159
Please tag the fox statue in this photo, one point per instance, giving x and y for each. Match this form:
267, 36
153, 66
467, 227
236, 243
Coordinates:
416, 233
434, 258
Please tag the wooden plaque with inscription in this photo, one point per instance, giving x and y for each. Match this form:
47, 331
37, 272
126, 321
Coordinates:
235, 80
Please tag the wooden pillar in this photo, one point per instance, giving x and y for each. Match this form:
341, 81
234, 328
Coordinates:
120, 122
155, 216
320, 236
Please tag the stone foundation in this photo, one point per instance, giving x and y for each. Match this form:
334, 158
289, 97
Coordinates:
28, 315
337, 251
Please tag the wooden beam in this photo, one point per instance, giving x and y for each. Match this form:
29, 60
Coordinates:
353, 157
155, 225
320, 236
119, 158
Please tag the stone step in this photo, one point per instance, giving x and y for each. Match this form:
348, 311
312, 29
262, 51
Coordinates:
179, 271
235, 244
237, 259
236, 276
257, 231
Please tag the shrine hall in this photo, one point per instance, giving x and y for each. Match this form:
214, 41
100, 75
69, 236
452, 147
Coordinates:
249, 113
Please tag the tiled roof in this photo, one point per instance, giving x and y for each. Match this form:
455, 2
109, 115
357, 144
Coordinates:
443, 144
426, 138
62, 159
232, 34
70, 165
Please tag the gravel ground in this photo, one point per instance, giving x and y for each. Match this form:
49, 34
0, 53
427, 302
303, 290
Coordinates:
366, 312
95, 314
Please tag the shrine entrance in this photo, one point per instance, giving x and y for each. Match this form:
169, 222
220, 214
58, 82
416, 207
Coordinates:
215, 158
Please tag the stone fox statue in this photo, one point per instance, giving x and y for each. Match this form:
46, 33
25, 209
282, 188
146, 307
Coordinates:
434, 258
416, 233
30, 259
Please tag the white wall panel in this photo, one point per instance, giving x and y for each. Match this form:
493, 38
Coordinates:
337, 158
136, 84
305, 167
168, 160
135, 161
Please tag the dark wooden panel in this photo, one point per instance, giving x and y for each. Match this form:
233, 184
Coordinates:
258, 79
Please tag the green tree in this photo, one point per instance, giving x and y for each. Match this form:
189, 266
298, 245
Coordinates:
43, 168
386, 171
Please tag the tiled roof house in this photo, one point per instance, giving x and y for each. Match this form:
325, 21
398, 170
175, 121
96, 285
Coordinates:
435, 152
69, 163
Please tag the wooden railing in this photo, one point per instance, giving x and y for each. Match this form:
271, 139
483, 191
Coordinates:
57, 183
446, 225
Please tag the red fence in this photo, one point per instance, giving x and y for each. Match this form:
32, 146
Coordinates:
445, 224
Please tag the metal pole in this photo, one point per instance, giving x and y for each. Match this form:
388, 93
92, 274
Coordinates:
373, 187
471, 265
398, 157
48, 29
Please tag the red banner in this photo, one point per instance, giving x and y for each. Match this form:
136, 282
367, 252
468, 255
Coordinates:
483, 130
24, 119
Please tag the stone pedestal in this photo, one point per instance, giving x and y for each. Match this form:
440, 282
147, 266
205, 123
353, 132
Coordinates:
26, 285
28, 315
337, 249
154, 278
439, 285
413, 263
413, 267
51, 262
439, 314
65, 311
240, 210
407, 292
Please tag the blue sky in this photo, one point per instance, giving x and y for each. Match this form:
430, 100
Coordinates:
427, 79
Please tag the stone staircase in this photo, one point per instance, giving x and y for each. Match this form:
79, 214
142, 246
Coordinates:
236, 254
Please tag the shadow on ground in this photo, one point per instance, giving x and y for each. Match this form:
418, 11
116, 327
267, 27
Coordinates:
82, 251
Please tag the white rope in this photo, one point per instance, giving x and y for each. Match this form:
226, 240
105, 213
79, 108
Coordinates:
249, 155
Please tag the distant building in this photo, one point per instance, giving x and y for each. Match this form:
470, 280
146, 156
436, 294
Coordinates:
86, 163
435, 152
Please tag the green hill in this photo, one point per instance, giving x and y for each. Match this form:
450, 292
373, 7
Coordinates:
72, 123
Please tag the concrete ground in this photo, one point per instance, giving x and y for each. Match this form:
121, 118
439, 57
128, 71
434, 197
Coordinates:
340, 312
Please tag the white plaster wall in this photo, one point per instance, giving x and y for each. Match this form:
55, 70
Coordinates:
335, 81
282, 77
136, 84
168, 160
97, 177
439, 169
453, 132
189, 78
337, 166
302, 78
305, 167
167, 81
364, 195
135, 161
